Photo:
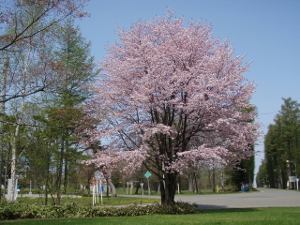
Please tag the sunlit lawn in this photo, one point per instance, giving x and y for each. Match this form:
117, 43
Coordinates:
88, 200
250, 216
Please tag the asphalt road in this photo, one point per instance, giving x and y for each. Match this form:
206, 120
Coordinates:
266, 197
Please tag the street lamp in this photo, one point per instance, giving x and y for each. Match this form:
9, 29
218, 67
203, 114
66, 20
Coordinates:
289, 161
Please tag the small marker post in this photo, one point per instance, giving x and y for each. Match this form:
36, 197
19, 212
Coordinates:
147, 175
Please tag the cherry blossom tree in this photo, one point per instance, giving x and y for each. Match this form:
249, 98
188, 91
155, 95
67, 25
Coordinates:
171, 97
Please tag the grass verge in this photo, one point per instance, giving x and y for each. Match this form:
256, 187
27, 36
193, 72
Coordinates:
247, 216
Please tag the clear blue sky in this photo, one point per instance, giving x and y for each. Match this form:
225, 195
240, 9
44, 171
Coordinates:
266, 31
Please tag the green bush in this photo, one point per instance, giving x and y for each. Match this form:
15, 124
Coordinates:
179, 208
11, 211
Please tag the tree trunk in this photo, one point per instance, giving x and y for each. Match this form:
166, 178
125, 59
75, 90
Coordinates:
179, 185
14, 154
196, 183
282, 174
107, 189
137, 186
112, 187
59, 172
168, 189
47, 188
190, 185
13, 167
66, 173
16, 134
214, 180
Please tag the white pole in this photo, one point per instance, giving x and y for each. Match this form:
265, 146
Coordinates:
101, 192
148, 189
93, 194
97, 192
296, 175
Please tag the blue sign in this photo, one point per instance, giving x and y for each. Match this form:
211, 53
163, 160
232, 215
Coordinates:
147, 174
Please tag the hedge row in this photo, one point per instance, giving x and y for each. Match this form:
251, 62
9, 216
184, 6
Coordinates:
11, 211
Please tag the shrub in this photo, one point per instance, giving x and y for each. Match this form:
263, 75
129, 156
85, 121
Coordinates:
11, 211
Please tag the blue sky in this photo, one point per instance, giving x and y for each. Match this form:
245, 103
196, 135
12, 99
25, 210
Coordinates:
266, 31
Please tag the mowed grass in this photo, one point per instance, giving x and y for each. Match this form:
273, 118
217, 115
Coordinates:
88, 201
256, 216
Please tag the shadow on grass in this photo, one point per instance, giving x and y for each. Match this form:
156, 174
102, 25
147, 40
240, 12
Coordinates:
219, 209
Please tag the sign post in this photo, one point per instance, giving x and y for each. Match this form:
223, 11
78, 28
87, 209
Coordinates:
147, 175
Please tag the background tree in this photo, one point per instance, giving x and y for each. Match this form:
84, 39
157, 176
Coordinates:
40, 153
22, 68
74, 65
170, 97
244, 174
5, 63
274, 155
52, 118
28, 22
76, 68
262, 175
26, 28
282, 143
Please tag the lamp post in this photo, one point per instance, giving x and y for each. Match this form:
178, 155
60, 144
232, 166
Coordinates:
289, 161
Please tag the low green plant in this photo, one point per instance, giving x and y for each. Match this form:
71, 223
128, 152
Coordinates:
246, 216
12, 211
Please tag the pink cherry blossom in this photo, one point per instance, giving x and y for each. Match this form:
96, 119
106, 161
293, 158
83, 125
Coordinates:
171, 96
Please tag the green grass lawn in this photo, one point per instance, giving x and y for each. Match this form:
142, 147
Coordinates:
183, 192
109, 200
88, 200
253, 216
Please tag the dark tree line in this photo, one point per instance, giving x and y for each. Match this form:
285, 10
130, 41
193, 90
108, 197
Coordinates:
282, 153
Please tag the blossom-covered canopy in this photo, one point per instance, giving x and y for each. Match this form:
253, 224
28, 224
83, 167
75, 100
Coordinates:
171, 96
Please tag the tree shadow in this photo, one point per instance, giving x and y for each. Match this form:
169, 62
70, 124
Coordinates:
221, 209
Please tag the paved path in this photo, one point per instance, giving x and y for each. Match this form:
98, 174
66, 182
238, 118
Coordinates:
266, 197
